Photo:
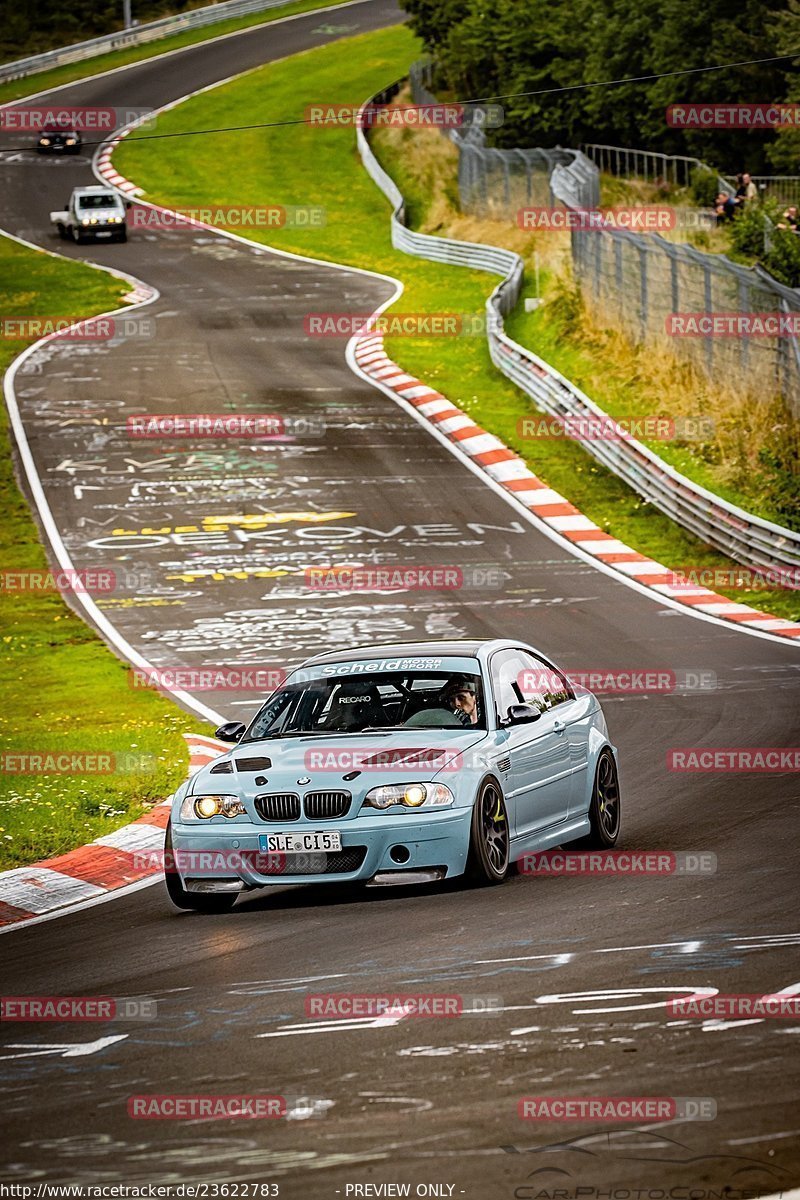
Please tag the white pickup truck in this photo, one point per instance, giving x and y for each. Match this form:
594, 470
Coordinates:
93, 212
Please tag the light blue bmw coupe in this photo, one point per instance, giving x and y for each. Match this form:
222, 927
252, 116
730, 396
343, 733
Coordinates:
397, 764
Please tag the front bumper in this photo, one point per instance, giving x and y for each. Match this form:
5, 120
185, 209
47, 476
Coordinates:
369, 847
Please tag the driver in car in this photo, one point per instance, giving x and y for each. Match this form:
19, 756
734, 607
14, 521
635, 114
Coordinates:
461, 697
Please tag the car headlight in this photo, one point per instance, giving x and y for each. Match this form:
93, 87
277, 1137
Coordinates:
410, 795
203, 808
85, 221
44, 141
70, 141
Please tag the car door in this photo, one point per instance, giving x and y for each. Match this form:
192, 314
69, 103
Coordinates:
539, 781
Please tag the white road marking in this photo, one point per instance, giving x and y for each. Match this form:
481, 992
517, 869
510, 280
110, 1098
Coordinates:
63, 1049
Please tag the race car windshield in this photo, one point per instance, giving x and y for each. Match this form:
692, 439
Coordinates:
98, 202
446, 700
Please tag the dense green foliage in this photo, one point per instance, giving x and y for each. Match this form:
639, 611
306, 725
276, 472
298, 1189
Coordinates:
496, 47
32, 28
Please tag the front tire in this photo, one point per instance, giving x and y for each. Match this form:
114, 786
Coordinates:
604, 807
77, 236
205, 902
490, 838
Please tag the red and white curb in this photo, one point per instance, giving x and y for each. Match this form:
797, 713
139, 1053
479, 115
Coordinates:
115, 860
510, 472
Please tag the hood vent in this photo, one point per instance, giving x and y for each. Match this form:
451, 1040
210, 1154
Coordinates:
253, 764
222, 768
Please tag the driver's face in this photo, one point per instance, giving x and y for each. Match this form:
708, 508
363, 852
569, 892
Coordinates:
466, 701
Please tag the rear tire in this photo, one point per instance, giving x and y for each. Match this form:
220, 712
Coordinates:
490, 839
205, 902
604, 807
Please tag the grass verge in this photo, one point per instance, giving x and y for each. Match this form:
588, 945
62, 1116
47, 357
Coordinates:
16, 89
63, 690
305, 165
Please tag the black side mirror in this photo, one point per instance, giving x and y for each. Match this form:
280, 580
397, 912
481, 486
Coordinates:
521, 714
129, 204
231, 731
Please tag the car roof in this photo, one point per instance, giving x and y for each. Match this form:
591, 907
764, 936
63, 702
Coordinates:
95, 189
468, 648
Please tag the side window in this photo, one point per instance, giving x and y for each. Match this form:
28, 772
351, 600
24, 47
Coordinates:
520, 678
504, 669
542, 685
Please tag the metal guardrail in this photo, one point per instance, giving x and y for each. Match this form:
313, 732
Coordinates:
136, 36
743, 536
651, 166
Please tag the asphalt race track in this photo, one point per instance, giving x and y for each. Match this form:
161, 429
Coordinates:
581, 966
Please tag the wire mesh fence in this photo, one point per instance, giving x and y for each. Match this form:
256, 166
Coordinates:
736, 323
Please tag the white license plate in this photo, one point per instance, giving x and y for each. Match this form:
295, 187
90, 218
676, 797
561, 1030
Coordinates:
299, 843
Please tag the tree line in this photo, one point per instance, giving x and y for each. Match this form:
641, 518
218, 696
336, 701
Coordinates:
487, 48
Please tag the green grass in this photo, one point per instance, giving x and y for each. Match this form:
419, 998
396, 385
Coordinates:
320, 166
18, 88
63, 690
